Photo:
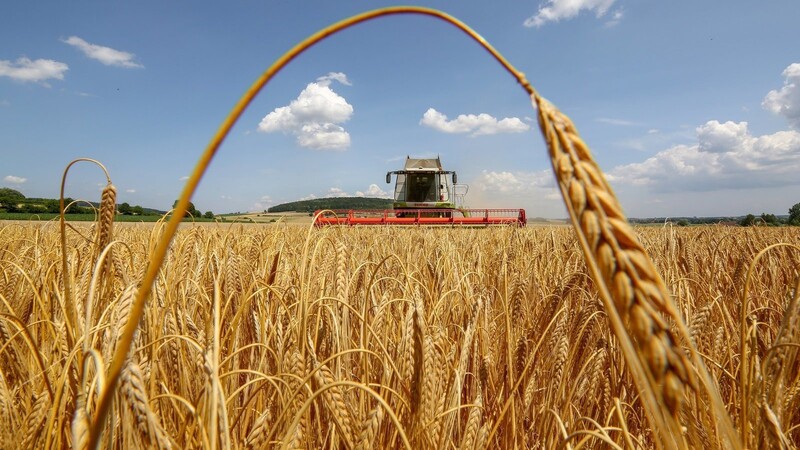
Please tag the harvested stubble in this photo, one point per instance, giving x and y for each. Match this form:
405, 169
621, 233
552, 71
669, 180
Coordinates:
279, 336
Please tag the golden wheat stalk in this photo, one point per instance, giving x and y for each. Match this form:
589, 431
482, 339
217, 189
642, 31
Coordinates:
105, 220
158, 255
634, 295
71, 320
335, 401
80, 424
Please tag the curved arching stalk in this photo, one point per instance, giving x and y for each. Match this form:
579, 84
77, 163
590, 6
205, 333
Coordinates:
157, 258
71, 315
625, 276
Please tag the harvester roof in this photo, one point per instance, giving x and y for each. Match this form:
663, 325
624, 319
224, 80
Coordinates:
423, 164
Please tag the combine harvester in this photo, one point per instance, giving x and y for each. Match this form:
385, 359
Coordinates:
424, 194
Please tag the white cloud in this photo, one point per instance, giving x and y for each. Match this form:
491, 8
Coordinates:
323, 136
654, 139
556, 10
314, 116
105, 55
130, 191
726, 156
535, 191
37, 71
373, 191
336, 192
616, 18
619, 122
472, 124
183, 178
262, 204
715, 137
506, 182
14, 179
333, 76
5, 102
786, 101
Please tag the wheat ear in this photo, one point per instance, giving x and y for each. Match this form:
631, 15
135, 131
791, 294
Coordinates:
35, 419
108, 209
80, 424
634, 296
334, 399
133, 391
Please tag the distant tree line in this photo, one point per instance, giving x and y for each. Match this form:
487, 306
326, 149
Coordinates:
127, 210
772, 220
749, 220
194, 212
13, 201
333, 203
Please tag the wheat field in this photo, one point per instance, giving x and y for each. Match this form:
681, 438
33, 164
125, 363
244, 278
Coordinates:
598, 335
289, 337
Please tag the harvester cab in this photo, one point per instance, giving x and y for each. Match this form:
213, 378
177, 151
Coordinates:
424, 194
423, 184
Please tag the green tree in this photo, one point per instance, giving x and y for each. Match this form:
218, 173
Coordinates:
125, 209
190, 210
137, 210
11, 194
208, 215
32, 208
10, 199
52, 206
748, 220
770, 219
794, 214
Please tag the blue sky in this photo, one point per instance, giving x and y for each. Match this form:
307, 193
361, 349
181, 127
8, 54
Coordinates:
691, 108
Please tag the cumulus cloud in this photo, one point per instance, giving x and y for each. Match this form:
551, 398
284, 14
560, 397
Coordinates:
326, 80
323, 136
726, 156
183, 178
373, 191
130, 191
786, 101
557, 10
14, 179
505, 182
472, 124
37, 71
105, 55
336, 192
262, 204
314, 116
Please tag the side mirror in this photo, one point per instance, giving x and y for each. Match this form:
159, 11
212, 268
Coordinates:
455, 178
388, 177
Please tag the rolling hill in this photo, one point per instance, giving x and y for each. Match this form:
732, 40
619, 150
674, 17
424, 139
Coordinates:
333, 203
